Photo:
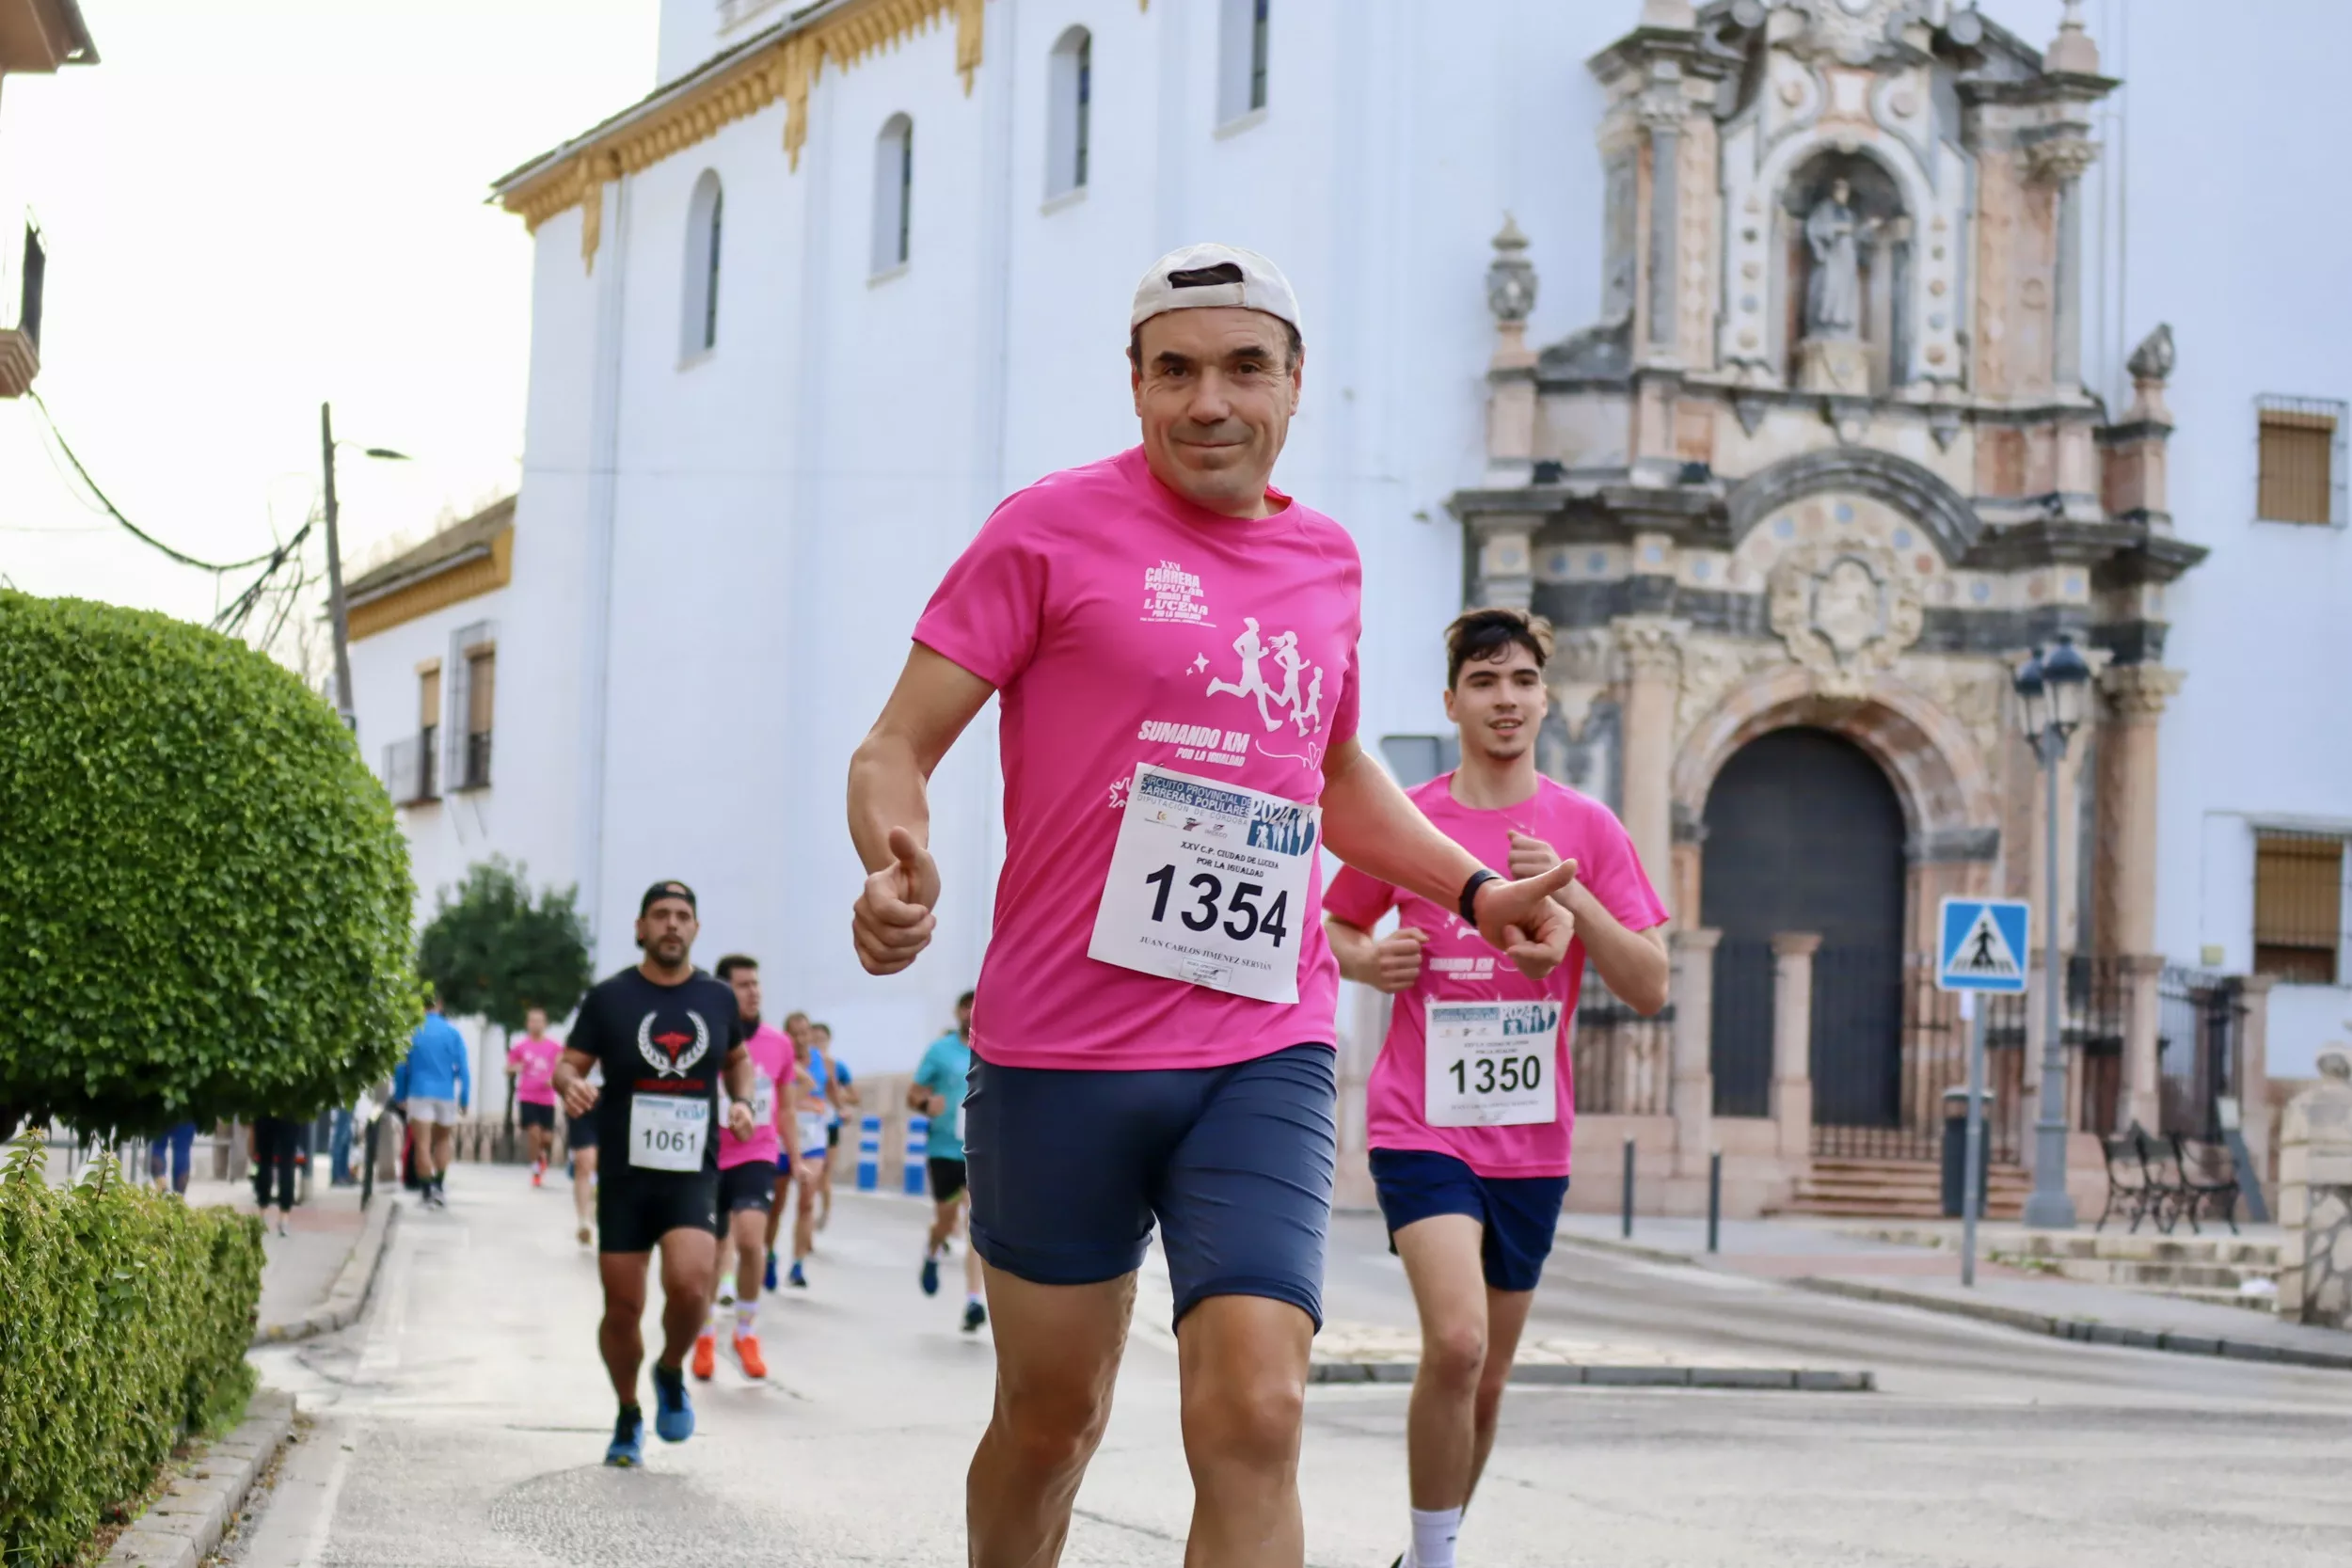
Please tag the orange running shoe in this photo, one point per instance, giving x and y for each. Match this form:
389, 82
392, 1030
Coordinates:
705, 1356
747, 1352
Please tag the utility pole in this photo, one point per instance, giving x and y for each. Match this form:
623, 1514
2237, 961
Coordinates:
335, 575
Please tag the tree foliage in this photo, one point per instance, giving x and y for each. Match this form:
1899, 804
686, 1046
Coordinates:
204, 900
494, 952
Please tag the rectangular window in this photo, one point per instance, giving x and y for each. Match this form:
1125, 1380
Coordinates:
2300, 461
481, 688
2298, 906
419, 774
1086, 107
429, 696
1257, 54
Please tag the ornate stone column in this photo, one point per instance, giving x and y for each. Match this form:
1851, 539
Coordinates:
1507, 559
1651, 649
1693, 1100
1793, 1041
2125, 871
1511, 371
2142, 1015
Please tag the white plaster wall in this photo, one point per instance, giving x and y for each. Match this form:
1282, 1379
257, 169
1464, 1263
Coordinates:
2220, 165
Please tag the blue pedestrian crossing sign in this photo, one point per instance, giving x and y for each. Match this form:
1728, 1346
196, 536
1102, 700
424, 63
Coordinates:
1981, 944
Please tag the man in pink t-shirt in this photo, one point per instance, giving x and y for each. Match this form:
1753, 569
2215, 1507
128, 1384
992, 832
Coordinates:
751, 1170
531, 1063
1470, 1105
1173, 642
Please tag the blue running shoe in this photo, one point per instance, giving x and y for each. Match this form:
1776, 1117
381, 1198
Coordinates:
628, 1448
674, 1412
931, 1275
797, 1279
768, 1280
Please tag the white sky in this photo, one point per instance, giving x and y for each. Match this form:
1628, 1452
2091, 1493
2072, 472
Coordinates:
253, 205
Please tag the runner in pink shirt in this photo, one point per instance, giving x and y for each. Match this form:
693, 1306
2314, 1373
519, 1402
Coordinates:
750, 1170
1471, 1105
1173, 641
531, 1063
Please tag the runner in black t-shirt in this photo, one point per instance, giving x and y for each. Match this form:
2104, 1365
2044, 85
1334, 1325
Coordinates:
663, 1033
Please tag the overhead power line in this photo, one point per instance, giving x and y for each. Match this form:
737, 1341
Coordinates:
116, 512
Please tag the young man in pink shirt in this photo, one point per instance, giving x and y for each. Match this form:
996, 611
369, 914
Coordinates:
1471, 1105
750, 1170
1174, 644
531, 1062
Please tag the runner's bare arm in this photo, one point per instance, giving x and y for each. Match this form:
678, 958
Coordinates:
1390, 963
1368, 822
890, 814
1633, 964
571, 1082
740, 1081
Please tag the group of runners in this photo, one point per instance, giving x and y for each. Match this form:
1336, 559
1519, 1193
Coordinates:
1174, 644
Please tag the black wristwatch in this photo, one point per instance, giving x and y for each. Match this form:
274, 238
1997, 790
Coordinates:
1479, 879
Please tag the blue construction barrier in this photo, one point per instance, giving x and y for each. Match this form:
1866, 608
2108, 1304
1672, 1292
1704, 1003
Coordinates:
918, 1139
869, 1154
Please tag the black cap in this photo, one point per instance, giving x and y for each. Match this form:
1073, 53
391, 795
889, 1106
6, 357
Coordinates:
666, 890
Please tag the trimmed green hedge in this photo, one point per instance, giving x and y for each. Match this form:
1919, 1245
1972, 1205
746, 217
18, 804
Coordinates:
124, 1317
204, 899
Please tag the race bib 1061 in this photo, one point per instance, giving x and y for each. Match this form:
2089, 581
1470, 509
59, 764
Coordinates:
1208, 884
1491, 1064
667, 1132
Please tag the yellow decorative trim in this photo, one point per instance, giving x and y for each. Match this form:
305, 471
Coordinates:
785, 68
455, 584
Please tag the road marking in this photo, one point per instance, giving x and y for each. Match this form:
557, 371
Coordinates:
314, 1549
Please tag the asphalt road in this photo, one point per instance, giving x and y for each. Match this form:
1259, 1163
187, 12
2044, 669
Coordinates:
461, 1421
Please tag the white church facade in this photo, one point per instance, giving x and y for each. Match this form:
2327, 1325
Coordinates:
1801, 359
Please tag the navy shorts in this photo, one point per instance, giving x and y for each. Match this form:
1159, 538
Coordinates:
1069, 1169
1521, 1213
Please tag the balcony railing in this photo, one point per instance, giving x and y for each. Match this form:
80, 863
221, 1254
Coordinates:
473, 771
410, 776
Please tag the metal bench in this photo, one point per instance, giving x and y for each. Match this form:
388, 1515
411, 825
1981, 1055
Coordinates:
2208, 1181
2130, 1184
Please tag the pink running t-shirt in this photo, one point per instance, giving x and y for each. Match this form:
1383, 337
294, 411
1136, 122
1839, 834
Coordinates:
1122, 624
771, 1056
1457, 965
533, 1063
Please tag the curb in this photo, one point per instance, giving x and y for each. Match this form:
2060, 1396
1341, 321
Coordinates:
1556, 1375
349, 1294
1629, 1250
184, 1525
2081, 1330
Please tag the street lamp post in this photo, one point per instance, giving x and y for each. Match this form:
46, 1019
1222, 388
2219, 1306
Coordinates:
2053, 690
335, 611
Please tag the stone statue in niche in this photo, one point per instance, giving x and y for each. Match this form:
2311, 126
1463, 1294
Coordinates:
1833, 297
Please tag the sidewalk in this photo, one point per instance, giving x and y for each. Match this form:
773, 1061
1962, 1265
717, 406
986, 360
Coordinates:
303, 1269
1816, 1256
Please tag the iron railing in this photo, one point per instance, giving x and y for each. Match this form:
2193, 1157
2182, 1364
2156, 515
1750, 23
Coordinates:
2200, 1039
1624, 1062
411, 770
475, 772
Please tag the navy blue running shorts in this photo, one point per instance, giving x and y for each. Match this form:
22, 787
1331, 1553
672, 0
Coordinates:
1068, 1170
1521, 1213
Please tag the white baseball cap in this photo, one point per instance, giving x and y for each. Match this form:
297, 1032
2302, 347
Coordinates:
1201, 276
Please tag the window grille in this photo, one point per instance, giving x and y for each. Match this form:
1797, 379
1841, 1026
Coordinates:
2298, 906
2299, 460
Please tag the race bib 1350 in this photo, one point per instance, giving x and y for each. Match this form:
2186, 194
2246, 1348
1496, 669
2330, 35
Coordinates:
1491, 1064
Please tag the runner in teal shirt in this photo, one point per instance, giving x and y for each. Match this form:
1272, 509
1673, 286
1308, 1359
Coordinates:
937, 1092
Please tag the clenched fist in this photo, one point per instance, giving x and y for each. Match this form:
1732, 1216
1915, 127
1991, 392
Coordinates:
1396, 960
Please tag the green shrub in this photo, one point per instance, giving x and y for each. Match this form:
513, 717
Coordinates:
124, 1317
204, 900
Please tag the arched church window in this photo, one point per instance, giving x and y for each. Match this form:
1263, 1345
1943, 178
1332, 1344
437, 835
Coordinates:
1069, 133
1241, 39
704, 209
893, 192
1845, 272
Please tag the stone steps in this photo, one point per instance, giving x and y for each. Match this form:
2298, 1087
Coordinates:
1897, 1189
